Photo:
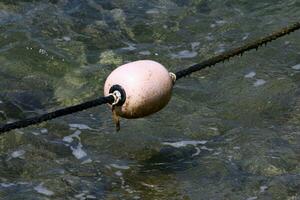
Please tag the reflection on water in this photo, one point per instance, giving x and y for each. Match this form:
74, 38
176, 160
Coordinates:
229, 132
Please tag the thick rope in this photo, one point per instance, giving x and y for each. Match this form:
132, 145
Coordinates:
58, 113
237, 51
111, 99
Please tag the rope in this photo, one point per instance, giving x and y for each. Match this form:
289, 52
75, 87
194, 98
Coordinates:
237, 51
58, 113
182, 73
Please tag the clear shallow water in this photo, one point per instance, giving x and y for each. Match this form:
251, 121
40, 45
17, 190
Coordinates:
229, 132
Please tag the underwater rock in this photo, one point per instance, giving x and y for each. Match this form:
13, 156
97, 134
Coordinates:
250, 105
3, 116
11, 168
172, 158
11, 110
80, 84
120, 18
110, 58
28, 100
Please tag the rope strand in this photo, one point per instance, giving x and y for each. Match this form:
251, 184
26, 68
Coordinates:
58, 113
238, 51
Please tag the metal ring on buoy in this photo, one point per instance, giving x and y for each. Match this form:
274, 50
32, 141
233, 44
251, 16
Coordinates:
119, 95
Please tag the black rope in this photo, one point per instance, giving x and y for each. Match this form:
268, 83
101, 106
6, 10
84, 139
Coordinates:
58, 113
237, 51
110, 99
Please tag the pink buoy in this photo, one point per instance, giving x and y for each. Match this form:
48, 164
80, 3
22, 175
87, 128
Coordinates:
147, 86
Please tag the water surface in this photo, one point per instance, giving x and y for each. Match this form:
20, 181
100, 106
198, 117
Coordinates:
229, 132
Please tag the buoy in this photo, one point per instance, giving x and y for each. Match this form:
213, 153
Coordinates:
143, 87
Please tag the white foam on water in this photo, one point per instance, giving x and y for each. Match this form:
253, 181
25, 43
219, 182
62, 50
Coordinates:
43, 190
221, 22
80, 126
263, 188
148, 185
195, 45
251, 198
18, 154
209, 37
296, 67
205, 148
91, 197
43, 52
221, 49
78, 152
185, 54
246, 36
250, 75
6, 185
259, 82
194, 143
118, 173
216, 153
87, 161
80, 196
185, 143
23, 183
19, 131
119, 166
69, 138
35, 133
44, 130
66, 38
152, 11
1, 101
198, 151
130, 47
145, 53
129, 190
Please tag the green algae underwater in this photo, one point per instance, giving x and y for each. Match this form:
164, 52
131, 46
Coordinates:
229, 132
